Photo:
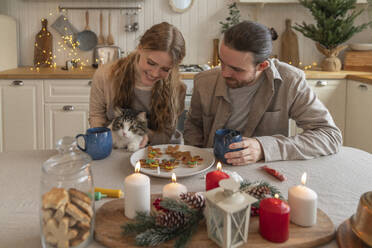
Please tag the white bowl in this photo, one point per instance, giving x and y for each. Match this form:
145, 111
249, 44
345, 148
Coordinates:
361, 46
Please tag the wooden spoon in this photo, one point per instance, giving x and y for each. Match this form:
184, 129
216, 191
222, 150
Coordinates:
101, 38
110, 38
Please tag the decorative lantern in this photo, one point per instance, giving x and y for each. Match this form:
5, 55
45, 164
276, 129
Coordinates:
227, 213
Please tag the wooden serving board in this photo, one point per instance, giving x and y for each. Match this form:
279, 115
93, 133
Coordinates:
110, 217
358, 61
346, 237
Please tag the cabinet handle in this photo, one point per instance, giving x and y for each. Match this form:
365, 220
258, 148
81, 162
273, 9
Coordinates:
17, 83
363, 87
321, 83
68, 108
90, 83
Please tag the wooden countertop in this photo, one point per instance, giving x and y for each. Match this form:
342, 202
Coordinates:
87, 73
58, 73
361, 78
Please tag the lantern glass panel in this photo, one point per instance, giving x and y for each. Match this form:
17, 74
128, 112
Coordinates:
216, 223
238, 226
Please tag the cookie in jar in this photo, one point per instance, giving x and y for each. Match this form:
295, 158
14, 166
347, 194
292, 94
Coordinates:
66, 208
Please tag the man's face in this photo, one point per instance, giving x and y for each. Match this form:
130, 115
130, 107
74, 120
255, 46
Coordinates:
238, 68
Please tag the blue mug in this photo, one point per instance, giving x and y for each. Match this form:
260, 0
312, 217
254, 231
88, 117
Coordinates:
222, 139
98, 142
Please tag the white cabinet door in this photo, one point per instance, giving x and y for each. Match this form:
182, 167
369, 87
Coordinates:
64, 120
22, 116
359, 116
332, 93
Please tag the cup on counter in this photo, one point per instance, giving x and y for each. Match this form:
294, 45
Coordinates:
222, 139
98, 142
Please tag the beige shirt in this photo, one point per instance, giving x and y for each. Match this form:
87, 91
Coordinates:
284, 95
101, 111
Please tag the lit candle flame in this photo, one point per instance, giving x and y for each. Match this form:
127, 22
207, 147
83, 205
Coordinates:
219, 166
303, 178
174, 179
138, 167
276, 196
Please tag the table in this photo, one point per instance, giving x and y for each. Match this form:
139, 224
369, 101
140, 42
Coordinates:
338, 179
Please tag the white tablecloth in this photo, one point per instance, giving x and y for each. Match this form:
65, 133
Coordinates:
339, 181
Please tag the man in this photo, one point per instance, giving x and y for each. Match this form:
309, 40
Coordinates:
257, 96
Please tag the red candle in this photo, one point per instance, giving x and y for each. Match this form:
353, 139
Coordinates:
214, 177
274, 219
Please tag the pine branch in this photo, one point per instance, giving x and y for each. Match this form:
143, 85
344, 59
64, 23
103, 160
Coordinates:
141, 224
177, 206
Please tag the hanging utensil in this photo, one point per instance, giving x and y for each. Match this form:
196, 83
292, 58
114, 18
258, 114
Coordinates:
101, 38
86, 39
110, 38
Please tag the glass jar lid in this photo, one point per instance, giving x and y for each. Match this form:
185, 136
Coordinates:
69, 159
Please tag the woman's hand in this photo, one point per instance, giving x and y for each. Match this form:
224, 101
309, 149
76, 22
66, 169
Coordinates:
251, 153
144, 141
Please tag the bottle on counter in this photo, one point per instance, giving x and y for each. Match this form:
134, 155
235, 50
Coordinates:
66, 208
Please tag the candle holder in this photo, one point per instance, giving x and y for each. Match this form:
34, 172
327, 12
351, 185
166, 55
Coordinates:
227, 213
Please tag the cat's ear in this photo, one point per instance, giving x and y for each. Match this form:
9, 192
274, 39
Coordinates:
118, 112
142, 116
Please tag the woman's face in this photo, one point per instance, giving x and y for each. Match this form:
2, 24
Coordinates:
153, 66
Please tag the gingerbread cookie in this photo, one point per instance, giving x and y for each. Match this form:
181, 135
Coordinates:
194, 161
76, 213
79, 195
60, 213
55, 198
172, 149
83, 235
83, 206
149, 163
59, 234
153, 152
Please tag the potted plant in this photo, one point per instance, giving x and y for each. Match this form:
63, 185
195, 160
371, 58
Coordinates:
334, 26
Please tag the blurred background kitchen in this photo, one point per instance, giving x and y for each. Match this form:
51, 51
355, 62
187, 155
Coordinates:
199, 24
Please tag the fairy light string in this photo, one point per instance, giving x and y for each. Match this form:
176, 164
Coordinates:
66, 46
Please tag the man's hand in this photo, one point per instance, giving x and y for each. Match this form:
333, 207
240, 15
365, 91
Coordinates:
144, 141
251, 153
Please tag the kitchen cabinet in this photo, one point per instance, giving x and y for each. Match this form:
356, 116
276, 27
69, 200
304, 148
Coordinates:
332, 93
66, 109
64, 120
22, 116
359, 115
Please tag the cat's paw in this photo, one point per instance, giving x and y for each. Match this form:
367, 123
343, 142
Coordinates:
132, 147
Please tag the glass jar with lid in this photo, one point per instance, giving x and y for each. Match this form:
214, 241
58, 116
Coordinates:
67, 208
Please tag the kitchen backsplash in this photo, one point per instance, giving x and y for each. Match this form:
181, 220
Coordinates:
199, 25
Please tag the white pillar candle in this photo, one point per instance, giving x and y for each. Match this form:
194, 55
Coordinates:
174, 189
136, 193
303, 203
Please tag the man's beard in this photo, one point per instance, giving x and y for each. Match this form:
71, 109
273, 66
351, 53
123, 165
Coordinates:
234, 84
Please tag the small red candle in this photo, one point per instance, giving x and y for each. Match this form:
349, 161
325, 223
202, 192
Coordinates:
214, 177
274, 219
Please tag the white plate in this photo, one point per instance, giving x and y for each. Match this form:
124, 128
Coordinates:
361, 46
182, 170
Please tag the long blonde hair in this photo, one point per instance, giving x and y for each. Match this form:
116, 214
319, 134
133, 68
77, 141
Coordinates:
165, 105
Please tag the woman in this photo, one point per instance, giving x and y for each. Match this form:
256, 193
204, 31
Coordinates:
146, 80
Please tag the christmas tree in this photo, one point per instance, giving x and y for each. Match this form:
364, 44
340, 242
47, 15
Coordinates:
334, 21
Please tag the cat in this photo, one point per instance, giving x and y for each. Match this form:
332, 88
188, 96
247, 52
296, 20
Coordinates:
128, 129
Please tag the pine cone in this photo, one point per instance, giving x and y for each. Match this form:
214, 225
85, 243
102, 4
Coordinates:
171, 219
259, 192
194, 200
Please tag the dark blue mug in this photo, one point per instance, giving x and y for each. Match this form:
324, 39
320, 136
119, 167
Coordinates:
98, 142
222, 139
